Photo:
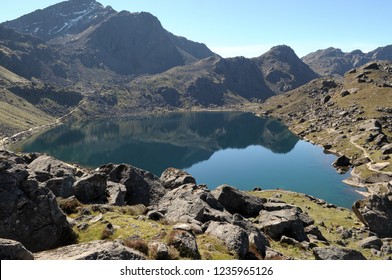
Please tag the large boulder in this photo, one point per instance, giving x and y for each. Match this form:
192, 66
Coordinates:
29, 213
53, 174
191, 203
185, 243
371, 125
235, 238
117, 193
95, 250
13, 250
288, 222
236, 201
142, 186
376, 213
91, 188
335, 253
172, 178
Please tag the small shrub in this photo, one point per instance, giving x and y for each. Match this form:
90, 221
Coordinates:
137, 243
135, 210
69, 205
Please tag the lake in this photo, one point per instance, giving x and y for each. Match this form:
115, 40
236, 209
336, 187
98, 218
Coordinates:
216, 148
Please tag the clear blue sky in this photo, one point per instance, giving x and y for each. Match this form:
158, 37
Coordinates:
251, 27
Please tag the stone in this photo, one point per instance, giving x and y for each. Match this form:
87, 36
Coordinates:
117, 193
386, 149
234, 237
276, 206
13, 250
190, 203
236, 201
344, 93
29, 213
376, 212
95, 250
371, 125
193, 228
172, 178
142, 186
341, 161
315, 231
335, 253
49, 165
282, 222
61, 186
372, 66
91, 188
185, 243
159, 251
289, 241
155, 215
371, 242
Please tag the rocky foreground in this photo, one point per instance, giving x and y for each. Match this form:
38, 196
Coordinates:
53, 210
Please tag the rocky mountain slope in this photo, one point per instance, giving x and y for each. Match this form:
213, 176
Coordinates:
122, 212
352, 117
333, 61
283, 69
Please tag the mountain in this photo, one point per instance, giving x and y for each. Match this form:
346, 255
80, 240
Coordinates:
283, 69
332, 61
122, 42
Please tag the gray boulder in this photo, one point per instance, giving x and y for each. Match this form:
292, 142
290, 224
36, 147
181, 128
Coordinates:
172, 178
142, 186
29, 213
95, 250
371, 125
190, 203
376, 213
315, 231
236, 201
235, 238
158, 251
91, 188
371, 242
386, 149
185, 243
335, 253
117, 193
13, 250
287, 222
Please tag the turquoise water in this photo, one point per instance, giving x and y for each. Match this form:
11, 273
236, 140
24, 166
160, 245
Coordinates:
217, 148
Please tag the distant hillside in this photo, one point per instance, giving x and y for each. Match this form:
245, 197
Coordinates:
283, 70
333, 61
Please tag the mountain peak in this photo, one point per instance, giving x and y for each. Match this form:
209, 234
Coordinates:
69, 17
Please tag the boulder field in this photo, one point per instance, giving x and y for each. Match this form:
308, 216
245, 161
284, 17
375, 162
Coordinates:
47, 207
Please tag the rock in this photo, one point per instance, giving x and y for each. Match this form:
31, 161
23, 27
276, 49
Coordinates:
234, 237
344, 93
95, 250
91, 188
142, 186
158, 251
256, 236
282, 222
314, 230
371, 125
326, 99
29, 214
236, 201
155, 215
61, 186
371, 242
190, 203
386, 149
335, 253
185, 243
193, 228
360, 161
275, 206
289, 241
13, 250
342, 161
117, 193
172, 178
372, 66
275, 255
376, 212
380, 139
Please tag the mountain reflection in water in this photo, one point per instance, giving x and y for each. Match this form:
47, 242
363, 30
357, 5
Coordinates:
177, 140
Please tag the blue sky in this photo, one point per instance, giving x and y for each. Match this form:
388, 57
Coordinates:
251, 27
